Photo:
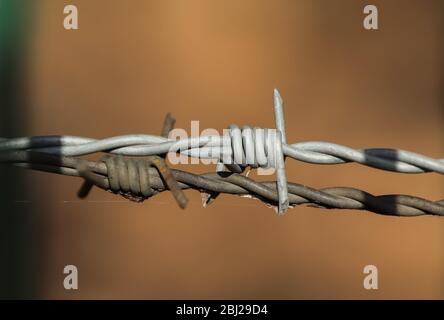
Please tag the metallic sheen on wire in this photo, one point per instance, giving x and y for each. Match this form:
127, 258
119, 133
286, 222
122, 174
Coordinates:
143, 145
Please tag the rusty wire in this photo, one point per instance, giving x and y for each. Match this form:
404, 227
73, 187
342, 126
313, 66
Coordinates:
139, 179
229, 183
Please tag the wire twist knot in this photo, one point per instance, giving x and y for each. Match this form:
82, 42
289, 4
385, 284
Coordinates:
129, 176
126, 176
256, 147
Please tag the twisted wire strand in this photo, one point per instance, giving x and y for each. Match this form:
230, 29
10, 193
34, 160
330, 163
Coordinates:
230, 183
235, 150
315, 152
244, 147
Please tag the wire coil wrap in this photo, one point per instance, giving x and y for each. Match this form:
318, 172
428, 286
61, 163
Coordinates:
254, 147
266, 191
128, 177
241, 147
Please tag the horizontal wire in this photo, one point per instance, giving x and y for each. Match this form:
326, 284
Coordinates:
234, 151
232, 183
314, 152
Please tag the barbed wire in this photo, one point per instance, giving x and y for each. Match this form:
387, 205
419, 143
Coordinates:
234, 151
209, 183
314, 152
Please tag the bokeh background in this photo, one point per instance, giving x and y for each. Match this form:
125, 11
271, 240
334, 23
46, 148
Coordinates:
218, 61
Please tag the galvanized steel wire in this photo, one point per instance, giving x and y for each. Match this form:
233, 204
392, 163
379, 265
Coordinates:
61, 154
314, 152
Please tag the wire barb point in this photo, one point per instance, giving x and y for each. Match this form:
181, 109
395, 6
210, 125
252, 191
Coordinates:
247, 148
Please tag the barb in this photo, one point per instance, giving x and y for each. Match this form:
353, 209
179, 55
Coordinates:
255, 148
164, 170
129, 177
236, 150
233, 183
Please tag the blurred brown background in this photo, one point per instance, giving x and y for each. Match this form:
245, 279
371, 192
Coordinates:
218, 62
